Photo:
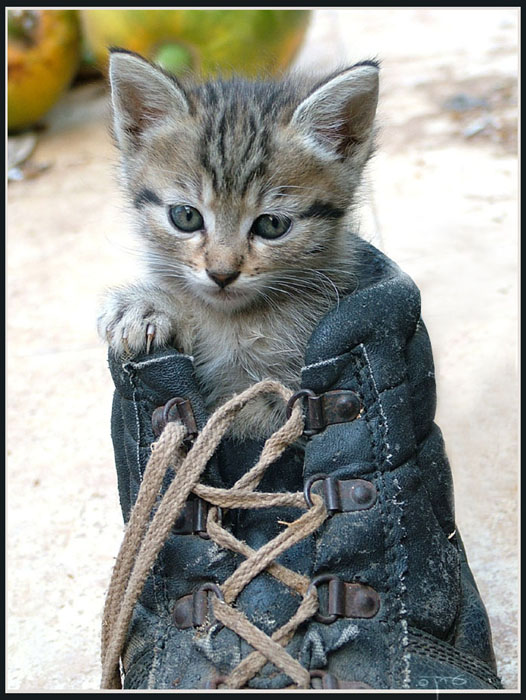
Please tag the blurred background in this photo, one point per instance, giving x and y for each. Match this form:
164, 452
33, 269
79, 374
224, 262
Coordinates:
441, 199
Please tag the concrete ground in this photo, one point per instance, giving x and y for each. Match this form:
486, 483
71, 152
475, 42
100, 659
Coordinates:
443, 205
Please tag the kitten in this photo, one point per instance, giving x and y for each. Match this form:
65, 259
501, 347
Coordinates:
241, 191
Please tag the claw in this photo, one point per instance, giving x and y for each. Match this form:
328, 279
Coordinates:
150, 335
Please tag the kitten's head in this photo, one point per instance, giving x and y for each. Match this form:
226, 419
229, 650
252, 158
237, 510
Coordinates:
241, 187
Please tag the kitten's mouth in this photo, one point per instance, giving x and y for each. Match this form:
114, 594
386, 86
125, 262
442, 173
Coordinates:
227, 298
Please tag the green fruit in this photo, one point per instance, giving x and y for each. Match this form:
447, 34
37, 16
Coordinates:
174, 58
251, 42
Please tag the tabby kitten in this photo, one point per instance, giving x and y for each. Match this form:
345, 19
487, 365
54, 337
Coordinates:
241, 191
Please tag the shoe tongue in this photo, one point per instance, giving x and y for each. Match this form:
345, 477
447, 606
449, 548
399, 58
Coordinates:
235, 458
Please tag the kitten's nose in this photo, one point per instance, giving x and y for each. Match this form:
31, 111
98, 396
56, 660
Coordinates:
223, 278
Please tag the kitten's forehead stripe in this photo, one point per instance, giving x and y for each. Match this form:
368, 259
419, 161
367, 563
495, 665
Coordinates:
257, 172
236, 127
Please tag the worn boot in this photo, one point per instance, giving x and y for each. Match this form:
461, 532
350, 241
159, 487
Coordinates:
329, 560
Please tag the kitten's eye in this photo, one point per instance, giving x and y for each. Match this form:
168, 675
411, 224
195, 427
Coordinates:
271, 226
186, 218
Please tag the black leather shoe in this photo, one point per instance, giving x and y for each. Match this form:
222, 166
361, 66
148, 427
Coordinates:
398, 606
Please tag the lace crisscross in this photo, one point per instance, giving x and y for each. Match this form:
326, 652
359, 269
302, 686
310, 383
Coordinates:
145, 536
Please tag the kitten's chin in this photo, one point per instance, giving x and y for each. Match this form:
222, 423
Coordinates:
228, 300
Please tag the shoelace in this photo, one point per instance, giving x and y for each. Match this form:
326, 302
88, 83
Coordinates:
145, 536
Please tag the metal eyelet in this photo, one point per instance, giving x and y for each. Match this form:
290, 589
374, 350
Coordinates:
202, 533
193, 610
308, 486
342, 495
193, 518
214, 587
323, 578
299, 395
179, 409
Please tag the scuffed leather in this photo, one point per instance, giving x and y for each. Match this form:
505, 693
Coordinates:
432, 629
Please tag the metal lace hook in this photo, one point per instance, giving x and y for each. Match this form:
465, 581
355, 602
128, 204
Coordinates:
299, 395
308, 486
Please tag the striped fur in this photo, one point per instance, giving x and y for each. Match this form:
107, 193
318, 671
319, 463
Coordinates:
236, 150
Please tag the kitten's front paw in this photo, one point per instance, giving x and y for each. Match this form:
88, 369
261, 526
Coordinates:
132, 321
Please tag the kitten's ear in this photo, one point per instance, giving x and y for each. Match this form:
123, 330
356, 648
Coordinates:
142, 96
340, 112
